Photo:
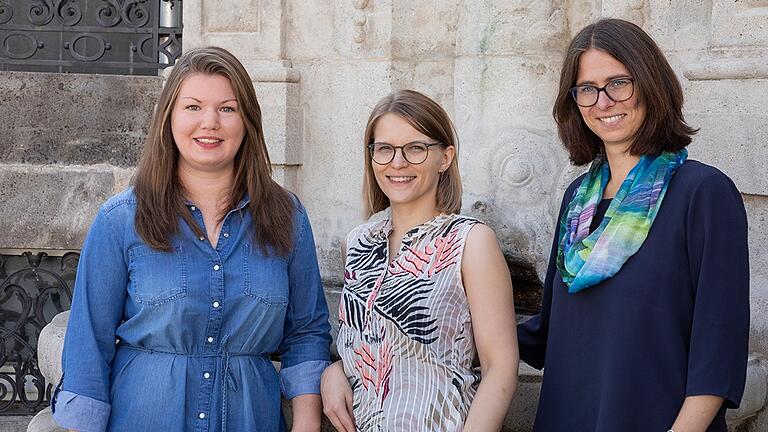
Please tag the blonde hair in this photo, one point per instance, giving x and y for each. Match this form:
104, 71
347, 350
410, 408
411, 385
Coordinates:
429, 118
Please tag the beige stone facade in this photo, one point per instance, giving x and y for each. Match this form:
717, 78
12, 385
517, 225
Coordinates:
320, 65
494, 65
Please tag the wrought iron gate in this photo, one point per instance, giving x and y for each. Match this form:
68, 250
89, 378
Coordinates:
132, 37
34, 287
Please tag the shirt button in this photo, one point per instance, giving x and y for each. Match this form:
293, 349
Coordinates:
193, 209
210, 340
226, 234
206, 375
202, 238
201, 415
216, 267
215, 304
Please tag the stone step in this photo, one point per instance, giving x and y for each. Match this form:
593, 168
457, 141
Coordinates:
14, 423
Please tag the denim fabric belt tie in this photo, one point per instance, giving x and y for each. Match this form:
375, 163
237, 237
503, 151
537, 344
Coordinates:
228, 378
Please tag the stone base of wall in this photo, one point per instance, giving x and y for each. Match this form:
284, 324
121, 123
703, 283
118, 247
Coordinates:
14, 423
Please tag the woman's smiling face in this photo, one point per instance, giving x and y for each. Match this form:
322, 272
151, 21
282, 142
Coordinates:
206, 123
401, 181
616, 123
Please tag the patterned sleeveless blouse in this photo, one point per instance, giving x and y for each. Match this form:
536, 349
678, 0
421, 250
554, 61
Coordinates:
405, 333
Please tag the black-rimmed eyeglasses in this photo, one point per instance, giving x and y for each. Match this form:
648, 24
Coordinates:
617, 90
414, 152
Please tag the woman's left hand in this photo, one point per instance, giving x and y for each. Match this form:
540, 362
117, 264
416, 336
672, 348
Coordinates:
337, 398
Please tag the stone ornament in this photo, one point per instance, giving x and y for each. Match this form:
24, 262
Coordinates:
360, 19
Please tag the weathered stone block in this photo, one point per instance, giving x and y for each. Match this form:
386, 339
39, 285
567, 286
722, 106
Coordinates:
349, 29
332, 167
233, 16
522, 411
50, 206
495, 28
757, 214
424, 30
282, 120
731, 115
287, 176
740, 24
251, 29
74, 118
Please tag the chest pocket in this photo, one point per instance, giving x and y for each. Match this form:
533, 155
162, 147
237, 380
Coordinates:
266, 277
157, 277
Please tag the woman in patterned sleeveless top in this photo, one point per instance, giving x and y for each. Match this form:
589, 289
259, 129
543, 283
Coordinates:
426, 291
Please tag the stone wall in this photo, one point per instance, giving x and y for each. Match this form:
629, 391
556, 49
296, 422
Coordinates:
72, 141
320, 66
494, 65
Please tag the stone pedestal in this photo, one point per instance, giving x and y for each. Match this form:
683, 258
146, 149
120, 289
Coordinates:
43, 422
49, 348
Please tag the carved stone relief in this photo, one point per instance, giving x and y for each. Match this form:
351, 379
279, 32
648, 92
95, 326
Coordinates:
359, 19
504, 28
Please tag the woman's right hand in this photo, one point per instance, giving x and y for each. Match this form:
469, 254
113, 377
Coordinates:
337, 398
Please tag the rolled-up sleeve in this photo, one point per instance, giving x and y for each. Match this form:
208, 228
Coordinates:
718, 257
305, 349
89, 345
82, 413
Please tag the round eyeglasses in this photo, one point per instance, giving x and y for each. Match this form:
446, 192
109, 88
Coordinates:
414, 152
617, 90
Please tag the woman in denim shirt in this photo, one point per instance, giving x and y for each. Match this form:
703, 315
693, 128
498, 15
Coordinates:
199, 272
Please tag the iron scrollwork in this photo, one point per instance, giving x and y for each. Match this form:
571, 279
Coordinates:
135, 13
101, 47
68, 12
42, 12
6, 12
99, 36
34, 288
27, 43
108, 14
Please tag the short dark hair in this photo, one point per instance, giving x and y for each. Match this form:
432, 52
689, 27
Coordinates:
656, 86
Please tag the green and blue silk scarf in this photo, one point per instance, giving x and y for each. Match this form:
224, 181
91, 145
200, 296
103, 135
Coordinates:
586, 259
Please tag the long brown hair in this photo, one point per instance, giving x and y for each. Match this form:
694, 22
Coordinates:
157, 187
656, 86
429, 118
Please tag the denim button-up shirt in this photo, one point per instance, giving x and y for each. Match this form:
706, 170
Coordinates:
194, 328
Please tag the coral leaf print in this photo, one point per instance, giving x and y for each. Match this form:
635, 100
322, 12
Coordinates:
442, 253
409, 314
375, 370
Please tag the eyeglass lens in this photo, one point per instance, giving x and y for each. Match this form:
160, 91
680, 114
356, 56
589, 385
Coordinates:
617, 90
414, 153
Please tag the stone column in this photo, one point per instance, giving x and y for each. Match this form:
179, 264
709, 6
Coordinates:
254, 31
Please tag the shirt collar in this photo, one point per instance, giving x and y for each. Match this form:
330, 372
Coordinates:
381, 232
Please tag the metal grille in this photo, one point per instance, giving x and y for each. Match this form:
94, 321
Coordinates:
34, 287
131, 37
